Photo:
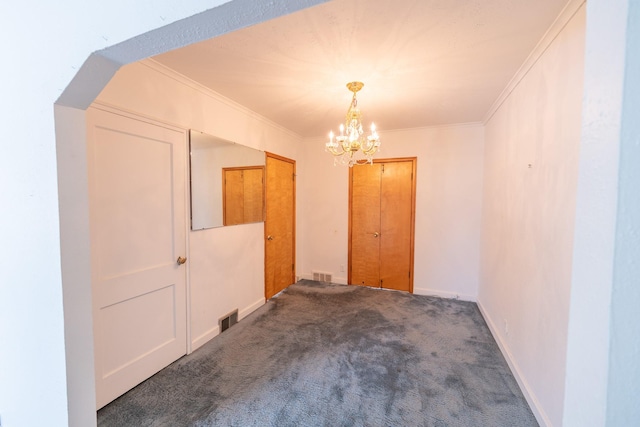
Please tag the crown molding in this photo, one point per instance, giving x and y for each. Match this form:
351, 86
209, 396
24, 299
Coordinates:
192, 84
552, 33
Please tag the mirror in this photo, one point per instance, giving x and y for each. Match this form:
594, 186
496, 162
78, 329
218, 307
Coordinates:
227, 185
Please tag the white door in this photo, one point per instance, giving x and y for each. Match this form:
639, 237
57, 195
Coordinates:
137, 215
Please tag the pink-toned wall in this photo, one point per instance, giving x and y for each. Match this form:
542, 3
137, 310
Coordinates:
225, 264
448, 207
530, 179
56, 389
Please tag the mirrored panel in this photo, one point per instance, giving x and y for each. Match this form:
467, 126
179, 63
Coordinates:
227, 182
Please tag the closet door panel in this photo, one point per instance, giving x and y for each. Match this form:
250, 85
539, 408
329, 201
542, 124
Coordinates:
396, 226
364, 252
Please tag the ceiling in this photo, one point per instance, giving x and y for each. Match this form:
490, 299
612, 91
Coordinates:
423, 62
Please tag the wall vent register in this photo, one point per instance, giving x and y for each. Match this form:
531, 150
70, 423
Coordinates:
228, 321
322, 277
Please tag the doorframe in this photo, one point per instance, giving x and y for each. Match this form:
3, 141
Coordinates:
414, 180
293, 212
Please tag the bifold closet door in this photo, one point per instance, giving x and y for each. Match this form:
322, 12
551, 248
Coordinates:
381, 224
242, 195
364, 221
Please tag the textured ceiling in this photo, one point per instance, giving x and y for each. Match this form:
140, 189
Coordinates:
423, 62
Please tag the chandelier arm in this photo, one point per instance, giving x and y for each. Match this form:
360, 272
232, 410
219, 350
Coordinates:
335, 152
373, 149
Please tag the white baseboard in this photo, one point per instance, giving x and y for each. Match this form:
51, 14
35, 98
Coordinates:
443, 294
531, 398
202, 339
334, 279
250, 309
213, 332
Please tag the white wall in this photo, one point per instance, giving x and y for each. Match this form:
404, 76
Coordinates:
624, 356
44, 44
226, 265
33, 387
604, 326
448, 207
530, 180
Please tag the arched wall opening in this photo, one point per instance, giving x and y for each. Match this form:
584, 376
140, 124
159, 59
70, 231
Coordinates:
101, 66
70, 132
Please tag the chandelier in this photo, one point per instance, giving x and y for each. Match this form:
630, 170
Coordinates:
352, 147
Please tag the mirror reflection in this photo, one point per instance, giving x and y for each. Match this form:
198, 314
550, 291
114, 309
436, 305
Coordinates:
227, 182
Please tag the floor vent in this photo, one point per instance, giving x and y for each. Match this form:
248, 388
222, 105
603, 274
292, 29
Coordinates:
322, 277
228, 321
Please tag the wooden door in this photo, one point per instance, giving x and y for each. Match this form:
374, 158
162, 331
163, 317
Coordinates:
242, 195
253, 188
138, 231
381, 224
232, 197
279, 224
364, 253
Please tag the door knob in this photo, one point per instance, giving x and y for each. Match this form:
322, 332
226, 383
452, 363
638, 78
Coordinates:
376, 234
269, 237
181, 260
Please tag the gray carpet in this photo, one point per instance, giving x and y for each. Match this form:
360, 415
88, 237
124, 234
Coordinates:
333, 355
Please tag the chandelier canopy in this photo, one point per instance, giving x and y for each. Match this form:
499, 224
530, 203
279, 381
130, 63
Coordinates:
352, 147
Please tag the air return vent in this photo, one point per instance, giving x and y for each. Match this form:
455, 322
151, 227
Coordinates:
319, 276
228, 321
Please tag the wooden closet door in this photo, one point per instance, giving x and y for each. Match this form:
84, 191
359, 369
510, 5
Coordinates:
233, 197
365, 225
242, 195
396, 226
381, 224
279, 224
253, 194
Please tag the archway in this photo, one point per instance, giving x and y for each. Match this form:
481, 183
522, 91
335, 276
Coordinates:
69, 112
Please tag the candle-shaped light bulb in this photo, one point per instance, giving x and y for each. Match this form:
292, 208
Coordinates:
331, 137
341, 129
373, 128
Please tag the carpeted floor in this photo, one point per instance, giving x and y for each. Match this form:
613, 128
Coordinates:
333, 355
